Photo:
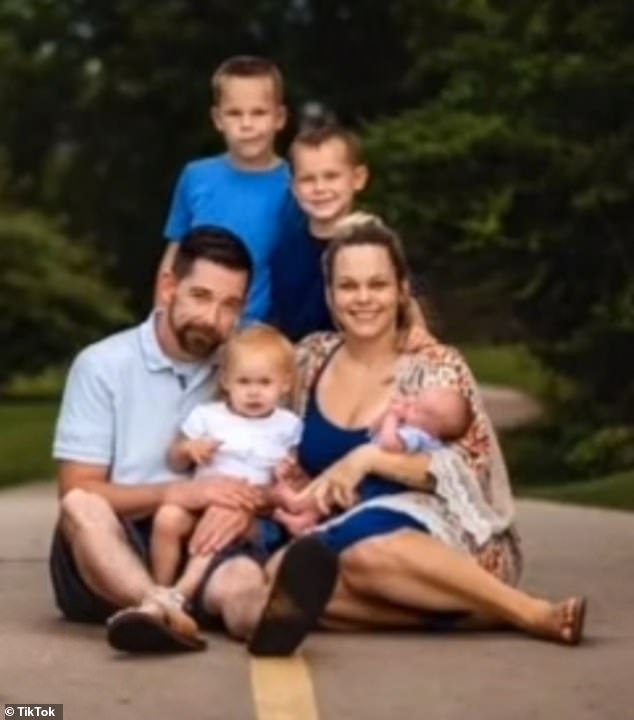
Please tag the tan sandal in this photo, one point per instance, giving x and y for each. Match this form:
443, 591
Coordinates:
159, 624
578, 621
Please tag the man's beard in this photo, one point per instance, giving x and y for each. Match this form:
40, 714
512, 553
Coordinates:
195, 339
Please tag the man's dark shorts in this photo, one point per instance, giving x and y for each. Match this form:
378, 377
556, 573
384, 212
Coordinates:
78, 603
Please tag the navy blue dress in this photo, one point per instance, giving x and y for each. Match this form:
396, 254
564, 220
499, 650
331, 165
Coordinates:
322, 444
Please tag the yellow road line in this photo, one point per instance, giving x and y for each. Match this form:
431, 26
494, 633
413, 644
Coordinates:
282, 689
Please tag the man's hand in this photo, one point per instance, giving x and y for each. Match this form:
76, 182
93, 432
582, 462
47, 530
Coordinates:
226, 492
217, 529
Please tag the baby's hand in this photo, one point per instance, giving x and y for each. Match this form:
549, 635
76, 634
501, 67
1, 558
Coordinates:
287, 497
200, 451
288, 472
296, 523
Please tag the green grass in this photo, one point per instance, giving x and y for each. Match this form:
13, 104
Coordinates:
511, 365
25, 440
49, 383
613, 491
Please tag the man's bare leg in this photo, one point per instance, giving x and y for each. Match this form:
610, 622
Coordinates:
105, 560
107, 563
414, 570
237, 591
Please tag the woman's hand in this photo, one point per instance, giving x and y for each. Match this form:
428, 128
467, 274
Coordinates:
337, 486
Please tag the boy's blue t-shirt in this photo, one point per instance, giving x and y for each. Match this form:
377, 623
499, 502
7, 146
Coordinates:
297, 280
256, 206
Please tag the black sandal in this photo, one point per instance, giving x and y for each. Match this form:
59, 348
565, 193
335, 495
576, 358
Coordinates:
301, 590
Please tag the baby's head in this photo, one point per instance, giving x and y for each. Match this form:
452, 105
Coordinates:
442, 412
258, 369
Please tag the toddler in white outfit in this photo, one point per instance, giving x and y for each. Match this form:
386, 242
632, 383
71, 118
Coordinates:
245, 436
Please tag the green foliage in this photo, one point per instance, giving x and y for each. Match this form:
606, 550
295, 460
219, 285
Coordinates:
564, 447
611, 447
536, 455
516, 167
53, 295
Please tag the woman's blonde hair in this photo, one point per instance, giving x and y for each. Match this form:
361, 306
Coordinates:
357, 219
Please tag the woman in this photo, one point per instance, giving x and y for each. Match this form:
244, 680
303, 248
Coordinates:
444, 546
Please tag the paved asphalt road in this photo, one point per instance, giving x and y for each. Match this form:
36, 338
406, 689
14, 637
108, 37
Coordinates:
492, 676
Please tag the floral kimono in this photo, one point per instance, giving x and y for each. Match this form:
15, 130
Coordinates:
471, 506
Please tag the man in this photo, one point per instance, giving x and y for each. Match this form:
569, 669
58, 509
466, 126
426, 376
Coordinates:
124, 400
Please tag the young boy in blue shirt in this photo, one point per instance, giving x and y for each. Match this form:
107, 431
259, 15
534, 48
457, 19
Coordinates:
328, 173
246, 189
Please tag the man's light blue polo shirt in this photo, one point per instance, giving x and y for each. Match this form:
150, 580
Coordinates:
124, 403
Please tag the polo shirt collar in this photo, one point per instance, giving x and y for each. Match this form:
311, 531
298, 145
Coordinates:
153, 355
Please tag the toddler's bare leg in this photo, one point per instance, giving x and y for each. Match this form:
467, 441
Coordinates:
193, 575
172, 524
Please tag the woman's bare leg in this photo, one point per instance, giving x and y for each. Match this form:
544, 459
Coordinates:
415, 570
352, 612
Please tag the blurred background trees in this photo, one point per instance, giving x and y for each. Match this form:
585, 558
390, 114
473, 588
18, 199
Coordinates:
499, 136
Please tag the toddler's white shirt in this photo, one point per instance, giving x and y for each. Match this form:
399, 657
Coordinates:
251, 447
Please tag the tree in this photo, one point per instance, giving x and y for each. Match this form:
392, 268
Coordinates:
53, 294
517, 170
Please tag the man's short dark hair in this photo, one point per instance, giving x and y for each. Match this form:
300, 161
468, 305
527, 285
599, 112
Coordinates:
216, 244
